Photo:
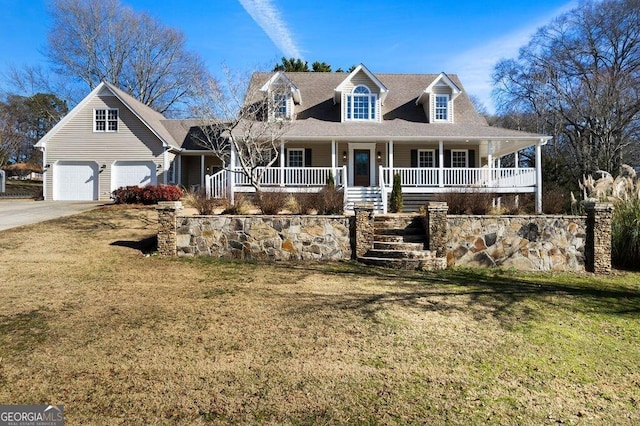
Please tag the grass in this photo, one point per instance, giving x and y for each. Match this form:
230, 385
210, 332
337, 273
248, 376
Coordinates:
22, 187
90, 320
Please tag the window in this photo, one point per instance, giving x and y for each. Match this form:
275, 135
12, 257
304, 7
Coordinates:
295, 157
442, 108
172, 171
459, 158
361, 104
105, 120
280, 105
426, 158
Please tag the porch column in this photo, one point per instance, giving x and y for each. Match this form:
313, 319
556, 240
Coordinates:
334, 162
231, 173
539, 178
516, 160
390, 156
178, 160
282, 160
202, 171
440, 164
165, 169
490, 163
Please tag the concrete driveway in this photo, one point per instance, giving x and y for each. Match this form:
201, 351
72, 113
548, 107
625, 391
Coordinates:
15, 213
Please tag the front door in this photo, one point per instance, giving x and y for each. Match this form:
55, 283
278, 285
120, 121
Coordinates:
361, 167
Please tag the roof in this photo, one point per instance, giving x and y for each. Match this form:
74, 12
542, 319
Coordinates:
149, 117
317, 117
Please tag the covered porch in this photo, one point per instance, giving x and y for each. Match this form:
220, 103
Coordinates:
424, 167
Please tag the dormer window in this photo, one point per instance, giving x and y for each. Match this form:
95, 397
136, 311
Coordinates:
442, 108
281, 106
361, 105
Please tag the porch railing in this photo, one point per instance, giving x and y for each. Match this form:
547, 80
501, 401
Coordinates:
217, 185
461, 177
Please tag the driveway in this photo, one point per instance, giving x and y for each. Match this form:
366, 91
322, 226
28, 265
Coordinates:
15, 213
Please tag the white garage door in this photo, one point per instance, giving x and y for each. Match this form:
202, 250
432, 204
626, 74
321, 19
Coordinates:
75, 180
130, 173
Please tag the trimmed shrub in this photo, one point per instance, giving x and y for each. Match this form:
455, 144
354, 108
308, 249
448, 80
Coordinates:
396, 201
240, 205
476, 203
272, 202
149, 194
555, 200
331, 183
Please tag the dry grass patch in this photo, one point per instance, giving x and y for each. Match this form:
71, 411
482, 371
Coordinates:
89, 321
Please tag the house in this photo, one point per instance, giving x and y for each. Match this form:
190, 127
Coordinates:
362, 128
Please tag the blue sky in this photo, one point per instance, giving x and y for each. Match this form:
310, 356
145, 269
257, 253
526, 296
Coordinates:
466, 37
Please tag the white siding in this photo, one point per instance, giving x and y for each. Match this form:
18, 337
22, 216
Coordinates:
77, 141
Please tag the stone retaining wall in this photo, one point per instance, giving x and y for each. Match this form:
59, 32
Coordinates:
530, 243
280, 237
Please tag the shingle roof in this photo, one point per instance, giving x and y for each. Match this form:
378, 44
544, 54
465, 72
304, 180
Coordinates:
318, 117
151, 117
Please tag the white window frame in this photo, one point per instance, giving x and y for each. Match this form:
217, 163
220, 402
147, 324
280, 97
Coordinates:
292, 150
172, 171
433, 157
106, 120
277, 113
373, 110
466, 158
438, 110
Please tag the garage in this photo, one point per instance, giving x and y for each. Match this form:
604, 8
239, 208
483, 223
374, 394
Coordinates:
130, 173
75, 180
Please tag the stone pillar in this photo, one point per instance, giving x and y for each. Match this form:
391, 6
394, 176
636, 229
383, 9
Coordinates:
598, 243
363, 230
167, 213
437, 227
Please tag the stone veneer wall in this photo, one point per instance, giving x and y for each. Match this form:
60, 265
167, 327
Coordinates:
280, 237
534, 243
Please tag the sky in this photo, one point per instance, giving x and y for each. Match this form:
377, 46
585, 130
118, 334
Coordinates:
465, 37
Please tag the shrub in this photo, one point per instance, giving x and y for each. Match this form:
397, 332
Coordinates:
272, 202
477, 203
307, 202
625, 233
396, 202
199, 201
330, 201
331, 183
239, 206
555, 200
149, 194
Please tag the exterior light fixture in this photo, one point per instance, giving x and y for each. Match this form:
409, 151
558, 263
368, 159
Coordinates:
344, 155
379, 157
103, 166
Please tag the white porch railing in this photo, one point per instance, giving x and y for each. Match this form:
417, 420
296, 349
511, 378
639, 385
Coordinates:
217, 185
461, 177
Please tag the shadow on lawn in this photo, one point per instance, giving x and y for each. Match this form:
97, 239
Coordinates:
146, 245
504, 295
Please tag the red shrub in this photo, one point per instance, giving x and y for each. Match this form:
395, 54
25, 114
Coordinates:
149, 194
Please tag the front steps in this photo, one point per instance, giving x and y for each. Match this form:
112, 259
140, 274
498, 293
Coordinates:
399, 242
364, 195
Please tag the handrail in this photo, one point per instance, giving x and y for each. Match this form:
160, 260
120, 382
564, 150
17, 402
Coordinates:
460, 177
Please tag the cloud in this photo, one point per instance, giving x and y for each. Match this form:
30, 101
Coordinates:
475, 66
265, 14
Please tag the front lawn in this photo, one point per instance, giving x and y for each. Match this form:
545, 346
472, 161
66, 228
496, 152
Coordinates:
88, 319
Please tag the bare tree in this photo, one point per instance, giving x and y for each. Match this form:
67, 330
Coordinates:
242, 115
95, 40
581, 75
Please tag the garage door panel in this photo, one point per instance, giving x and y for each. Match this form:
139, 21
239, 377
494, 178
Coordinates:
75, 180
133, 173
